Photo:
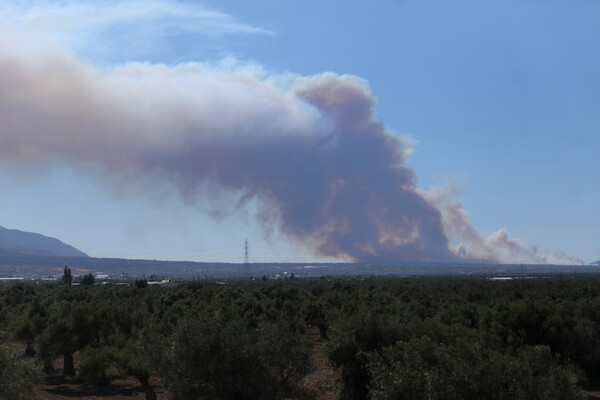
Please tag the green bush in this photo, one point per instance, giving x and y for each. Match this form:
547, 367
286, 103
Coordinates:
210, 358
17, 376
88, 279
423, 369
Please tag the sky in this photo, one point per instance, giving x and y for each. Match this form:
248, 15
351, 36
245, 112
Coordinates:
320, 131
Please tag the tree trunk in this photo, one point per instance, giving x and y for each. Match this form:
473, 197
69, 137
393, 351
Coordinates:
68, 367
323, 331
29, 351
150, 395
103, 380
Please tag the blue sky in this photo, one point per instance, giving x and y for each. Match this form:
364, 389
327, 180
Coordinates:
500, 99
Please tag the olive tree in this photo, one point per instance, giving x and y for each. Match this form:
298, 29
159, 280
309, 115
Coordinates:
210, 358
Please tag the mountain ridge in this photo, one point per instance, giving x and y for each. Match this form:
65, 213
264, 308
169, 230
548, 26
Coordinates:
16, 242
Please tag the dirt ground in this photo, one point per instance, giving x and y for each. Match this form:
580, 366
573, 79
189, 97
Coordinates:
592, 393
321, 382
121, 388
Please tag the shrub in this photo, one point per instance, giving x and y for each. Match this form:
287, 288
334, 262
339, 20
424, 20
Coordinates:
17, 376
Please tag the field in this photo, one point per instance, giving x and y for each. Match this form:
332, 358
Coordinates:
442, 337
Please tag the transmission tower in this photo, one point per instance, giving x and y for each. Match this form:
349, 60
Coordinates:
246, 268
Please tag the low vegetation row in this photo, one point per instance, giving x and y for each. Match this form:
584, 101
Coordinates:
392, 338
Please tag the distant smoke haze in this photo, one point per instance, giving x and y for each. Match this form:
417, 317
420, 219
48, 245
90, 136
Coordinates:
307, 149
470, 244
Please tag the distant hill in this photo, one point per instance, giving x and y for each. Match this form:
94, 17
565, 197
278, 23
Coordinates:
596, 263
15, 242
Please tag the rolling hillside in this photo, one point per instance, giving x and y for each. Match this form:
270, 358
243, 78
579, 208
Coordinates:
15, 242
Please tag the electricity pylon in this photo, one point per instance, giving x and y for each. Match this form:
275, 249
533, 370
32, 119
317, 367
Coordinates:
246, 268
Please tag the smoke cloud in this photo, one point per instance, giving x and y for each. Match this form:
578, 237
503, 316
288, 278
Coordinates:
469, 244
308, 150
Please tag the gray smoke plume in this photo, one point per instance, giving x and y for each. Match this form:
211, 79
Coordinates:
469, 244
308, 151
